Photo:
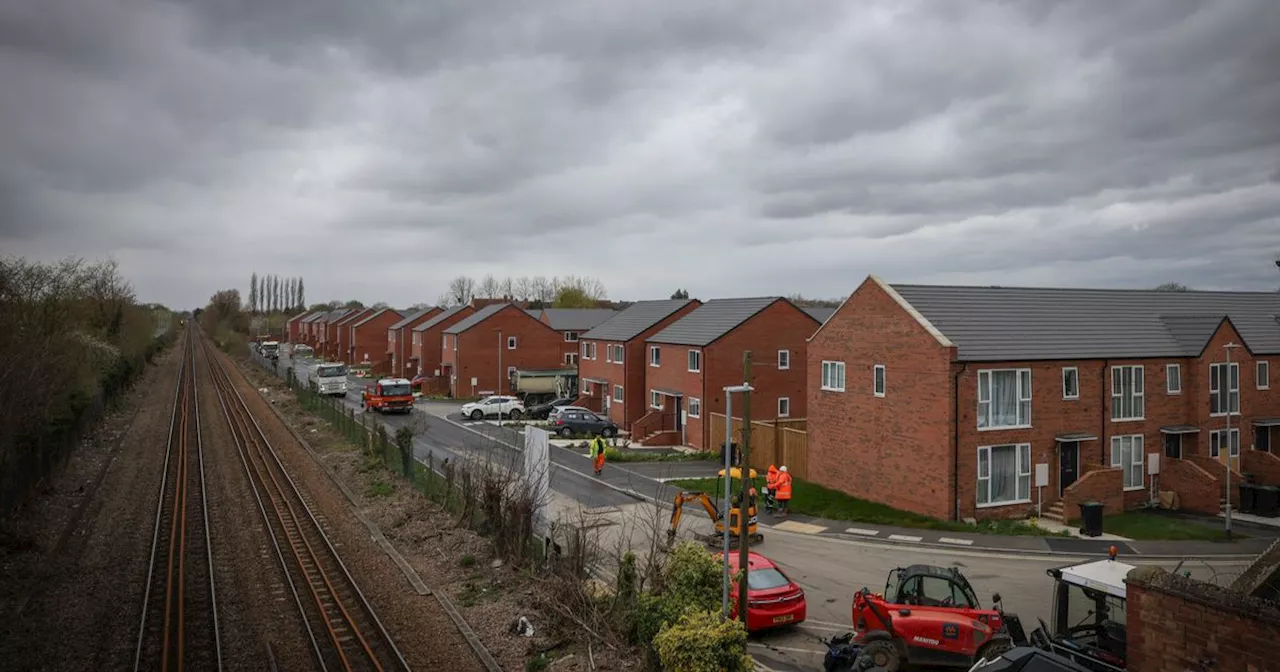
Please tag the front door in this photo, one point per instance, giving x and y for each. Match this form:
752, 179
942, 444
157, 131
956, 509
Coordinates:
1262, 438
1068, 464
679, 406
1173, 446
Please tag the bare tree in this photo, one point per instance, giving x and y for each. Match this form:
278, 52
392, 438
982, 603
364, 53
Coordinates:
302, 293
253, 292
521, 288
540, 289
506, 288
461, 290
488, 288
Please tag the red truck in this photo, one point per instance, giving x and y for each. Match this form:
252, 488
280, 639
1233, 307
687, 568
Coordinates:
388, 395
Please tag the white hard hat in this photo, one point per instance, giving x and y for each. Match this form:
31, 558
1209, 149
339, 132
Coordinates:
784, 468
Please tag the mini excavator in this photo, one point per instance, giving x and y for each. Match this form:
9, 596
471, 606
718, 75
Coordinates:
709, 504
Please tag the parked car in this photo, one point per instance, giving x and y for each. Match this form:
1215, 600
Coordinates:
557, 410
573, 421
495, 406
543, 411
773, 599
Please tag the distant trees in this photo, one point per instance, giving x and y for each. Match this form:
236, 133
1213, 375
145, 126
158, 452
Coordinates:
1173, 287
539, 291
814, 303
275, 294
680, 294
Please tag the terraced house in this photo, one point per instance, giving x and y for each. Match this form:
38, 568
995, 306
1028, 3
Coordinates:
481, 352
572, 323
612, 359
399, 336
984, 402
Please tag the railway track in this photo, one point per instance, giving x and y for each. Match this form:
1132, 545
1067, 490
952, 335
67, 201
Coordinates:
179, 622
344, 630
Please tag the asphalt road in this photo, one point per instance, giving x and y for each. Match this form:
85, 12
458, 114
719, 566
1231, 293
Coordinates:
829, 569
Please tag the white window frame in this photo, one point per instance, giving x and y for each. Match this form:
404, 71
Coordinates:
879, 381
617, 393
608, 353
1172, 375
512, 341
586, 388
1022, 467
1138, 392
570, 337
1215, 443
784, 401
1024, 396
1214, 391
832, 376
1137, 458
695, 407
1262, 373
655, 356
655, 400
613, 353
510, 370
784, 360
570, 359
585, 349
695, 361
1075, 374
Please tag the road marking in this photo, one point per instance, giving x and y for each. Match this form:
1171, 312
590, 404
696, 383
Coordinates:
865, 533
790, 649
812, 625
903, 537
797, 526
960, 542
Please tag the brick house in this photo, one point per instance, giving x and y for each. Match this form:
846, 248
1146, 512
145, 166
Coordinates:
328, 336
947, 400
293, 328
306, 330
399, 337
365, 343
426, 347
603, 379
481, 351
692, 360
572, 323
341, 343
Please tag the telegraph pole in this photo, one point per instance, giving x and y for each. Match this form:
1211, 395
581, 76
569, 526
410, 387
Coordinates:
744, 464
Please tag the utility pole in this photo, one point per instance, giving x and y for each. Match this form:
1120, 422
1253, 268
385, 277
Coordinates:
1225, 386
744, 464
499, 375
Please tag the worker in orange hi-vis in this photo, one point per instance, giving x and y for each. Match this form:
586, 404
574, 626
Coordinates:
597, 454
784, 490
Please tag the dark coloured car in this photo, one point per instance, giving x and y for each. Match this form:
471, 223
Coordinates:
573, 422
541, 411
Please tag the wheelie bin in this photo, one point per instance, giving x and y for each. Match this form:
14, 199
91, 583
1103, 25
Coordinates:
1091, 519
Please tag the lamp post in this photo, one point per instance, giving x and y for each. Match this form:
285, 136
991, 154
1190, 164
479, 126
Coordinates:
1227, 384
728, 482
499, 374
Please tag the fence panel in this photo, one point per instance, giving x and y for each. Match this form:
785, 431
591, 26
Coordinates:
775, 443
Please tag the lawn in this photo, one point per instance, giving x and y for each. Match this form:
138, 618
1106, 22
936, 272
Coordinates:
616, 455
811, 499
1146, 526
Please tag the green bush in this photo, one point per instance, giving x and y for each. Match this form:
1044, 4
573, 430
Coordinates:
691, 581
700, 642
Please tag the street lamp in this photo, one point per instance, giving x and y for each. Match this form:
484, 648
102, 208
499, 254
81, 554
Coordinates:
499, 374
1227, 385
728, 481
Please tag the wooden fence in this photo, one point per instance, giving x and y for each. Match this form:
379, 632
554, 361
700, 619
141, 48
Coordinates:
775, 442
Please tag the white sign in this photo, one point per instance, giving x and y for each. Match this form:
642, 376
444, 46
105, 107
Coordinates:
537, 473
1042, 475
475, 381
1153, 465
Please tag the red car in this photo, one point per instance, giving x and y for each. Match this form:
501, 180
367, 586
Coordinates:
773, 600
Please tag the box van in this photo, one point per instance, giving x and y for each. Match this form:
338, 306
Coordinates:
330, 378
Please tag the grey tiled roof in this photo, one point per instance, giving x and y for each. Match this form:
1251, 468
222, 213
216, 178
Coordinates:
711, 320
410, 316
313, 316
535, 313
576, 319
635, 320
372, 315
475, 318
335, 315
819, 313
440, 317
1015, 323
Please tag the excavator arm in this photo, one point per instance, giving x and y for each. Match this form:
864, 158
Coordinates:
677, 509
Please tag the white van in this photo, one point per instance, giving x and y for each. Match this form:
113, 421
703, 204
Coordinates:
330, 378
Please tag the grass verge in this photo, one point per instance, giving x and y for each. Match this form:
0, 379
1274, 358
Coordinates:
1151, 526
811, 499
615, 455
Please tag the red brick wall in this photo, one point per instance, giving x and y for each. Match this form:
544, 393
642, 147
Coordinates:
537, 347
369, 340
402, 344
613, 373
1099, 485
1197, 489
1265, 467
674, 374
341, 345
1175, 623
896, 449
635, 368
430, 348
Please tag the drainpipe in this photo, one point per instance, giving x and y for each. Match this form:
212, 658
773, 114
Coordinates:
955, 437
1104, 403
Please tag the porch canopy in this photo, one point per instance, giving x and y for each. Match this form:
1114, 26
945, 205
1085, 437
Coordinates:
668, 393
1071, 437
1267, 422
598, 381
1180, 429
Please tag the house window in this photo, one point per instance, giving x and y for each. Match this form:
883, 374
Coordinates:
1127, 393
1070, 382
784, 407
511, 342
617, 393
1004, 474
695, 361
655, 399
1264, 375
571, 336
1127, 453
655, 356
571, 359
617, 353
784, 360
1173, 378
589, 350
1224, 389
1218, 439
511, 372
833, 376
1004, 398
877, 383
695, 407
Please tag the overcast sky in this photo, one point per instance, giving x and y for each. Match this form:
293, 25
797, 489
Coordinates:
379, 147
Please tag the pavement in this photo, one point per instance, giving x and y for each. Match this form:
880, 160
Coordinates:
829, 559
